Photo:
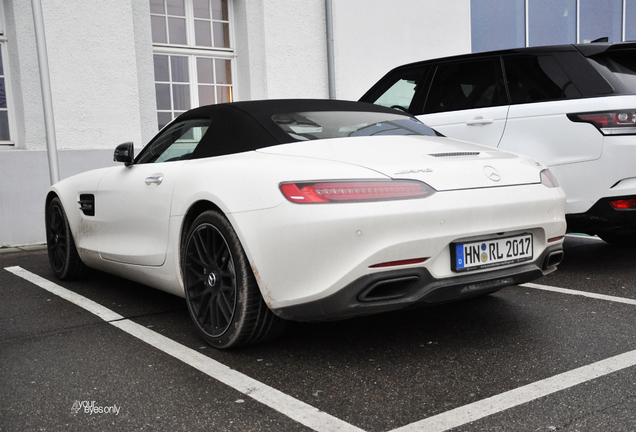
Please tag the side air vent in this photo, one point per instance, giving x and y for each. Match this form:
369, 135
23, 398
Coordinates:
454, 154
87, 204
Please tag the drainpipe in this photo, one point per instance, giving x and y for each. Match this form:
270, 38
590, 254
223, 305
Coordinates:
331, 73
45, 83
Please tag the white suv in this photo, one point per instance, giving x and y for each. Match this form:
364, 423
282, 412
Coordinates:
572, 107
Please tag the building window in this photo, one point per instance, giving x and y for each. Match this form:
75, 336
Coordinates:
193, 55
629, 20
501, 24
509, 31
551, 22
600, 18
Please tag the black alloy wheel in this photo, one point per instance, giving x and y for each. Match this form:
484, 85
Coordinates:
220, 289
63, 257
211, 279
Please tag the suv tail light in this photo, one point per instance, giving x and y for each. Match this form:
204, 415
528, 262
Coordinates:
354, 191
610, 122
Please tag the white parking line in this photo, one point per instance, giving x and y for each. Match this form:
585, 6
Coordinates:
320, 421
501, 402
581, 293
299, 411
81, 301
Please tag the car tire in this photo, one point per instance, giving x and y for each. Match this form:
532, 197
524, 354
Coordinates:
619, 238
221, 292
63, 257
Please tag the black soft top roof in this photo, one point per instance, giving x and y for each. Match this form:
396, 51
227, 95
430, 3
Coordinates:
243, 126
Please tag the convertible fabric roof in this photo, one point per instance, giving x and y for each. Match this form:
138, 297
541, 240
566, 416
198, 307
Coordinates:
243, 126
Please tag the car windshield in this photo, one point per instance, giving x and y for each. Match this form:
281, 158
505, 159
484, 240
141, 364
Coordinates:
305, 126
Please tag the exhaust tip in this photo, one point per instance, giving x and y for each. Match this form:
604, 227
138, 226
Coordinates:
388, 289
553, 259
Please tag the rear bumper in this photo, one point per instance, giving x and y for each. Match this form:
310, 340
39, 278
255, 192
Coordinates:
603, 217
301, 254
398, 289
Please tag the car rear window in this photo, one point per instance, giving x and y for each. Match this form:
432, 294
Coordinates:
304, 126
622, 64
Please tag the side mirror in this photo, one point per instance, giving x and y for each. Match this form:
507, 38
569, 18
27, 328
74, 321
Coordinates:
125, 153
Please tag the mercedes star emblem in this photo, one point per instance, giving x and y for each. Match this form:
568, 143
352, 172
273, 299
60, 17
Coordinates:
492, 173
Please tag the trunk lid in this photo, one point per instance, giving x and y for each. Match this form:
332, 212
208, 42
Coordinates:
442, 163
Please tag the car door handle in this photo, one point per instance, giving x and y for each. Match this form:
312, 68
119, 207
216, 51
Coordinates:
154, 179
479, 121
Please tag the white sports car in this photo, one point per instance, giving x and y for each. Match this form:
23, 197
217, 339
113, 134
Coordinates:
266, 211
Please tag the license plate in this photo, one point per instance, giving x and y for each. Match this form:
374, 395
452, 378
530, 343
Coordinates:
491, 253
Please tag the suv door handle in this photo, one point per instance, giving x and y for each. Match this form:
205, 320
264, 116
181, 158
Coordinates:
477, 121
154, 179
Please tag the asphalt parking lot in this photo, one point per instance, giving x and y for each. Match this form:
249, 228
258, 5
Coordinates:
108, 354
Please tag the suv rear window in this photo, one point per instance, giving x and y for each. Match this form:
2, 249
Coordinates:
623, 65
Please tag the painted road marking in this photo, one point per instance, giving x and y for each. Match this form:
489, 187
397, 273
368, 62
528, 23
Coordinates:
581, 293
510, 399
293, 408
320, 421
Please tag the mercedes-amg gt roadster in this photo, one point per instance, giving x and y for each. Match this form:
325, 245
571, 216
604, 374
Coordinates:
267, 211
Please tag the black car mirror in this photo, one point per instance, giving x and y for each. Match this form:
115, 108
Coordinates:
125, 153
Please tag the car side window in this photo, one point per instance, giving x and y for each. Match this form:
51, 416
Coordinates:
177, 142
537, 78
398, 89
466, 85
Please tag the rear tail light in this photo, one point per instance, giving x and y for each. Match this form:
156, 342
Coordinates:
355, 191
548, 179
610, 122
623, 204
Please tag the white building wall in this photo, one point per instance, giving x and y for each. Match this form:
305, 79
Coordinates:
93, 67
102, 81
282, 45
373, 37
249, 41
296, 49
24, 76
98, 53
102, 77
281, 49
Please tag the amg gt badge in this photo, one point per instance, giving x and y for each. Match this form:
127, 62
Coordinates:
414, 171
